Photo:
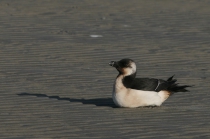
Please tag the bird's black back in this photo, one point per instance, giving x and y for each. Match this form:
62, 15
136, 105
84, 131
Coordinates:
146, 84
151, 84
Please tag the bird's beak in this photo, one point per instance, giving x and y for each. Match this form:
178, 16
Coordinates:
112, 63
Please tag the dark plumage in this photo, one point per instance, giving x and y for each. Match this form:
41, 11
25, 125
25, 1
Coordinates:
151, 84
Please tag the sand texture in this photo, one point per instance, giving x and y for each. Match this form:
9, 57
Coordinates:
55, 81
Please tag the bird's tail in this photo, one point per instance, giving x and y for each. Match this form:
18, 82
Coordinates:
173, 87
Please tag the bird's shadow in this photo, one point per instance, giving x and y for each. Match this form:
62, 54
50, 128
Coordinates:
108, 102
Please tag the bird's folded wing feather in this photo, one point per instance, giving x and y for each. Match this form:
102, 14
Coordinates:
149, 84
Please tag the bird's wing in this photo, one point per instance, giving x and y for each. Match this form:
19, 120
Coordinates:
151, 84
146, 84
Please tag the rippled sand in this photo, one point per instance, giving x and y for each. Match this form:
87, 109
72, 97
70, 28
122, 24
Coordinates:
56, 82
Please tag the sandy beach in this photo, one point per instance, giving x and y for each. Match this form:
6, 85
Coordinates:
56, 82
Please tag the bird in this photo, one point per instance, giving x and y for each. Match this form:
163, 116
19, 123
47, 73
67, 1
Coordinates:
132, 92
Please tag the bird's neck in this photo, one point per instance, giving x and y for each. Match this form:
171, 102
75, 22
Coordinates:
127, 80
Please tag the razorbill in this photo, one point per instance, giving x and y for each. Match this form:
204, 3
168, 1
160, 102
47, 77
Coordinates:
132, 92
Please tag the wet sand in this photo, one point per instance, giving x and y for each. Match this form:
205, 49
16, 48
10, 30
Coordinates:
56, 82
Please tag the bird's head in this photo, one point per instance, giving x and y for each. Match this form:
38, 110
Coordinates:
125, 66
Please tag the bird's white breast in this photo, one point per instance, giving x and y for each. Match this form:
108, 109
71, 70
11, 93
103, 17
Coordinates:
126, 97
